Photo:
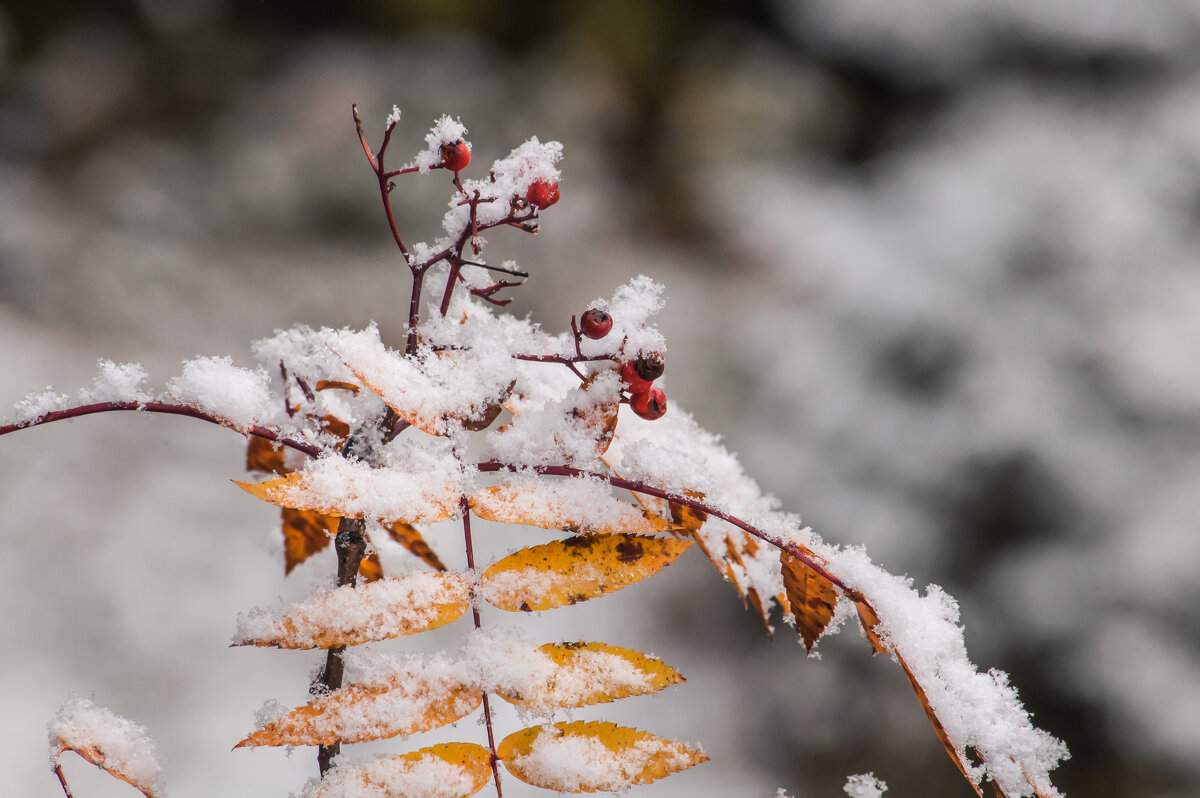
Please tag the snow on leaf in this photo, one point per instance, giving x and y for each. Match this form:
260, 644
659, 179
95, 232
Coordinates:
340, 487
421, 694
109, 741
304, 534
593, 673
574, 505
592, 756
410, 538
810, 598
938, 728
568, 571
449, 770
350, 615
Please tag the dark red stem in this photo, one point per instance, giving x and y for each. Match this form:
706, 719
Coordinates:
162, 407
465, 506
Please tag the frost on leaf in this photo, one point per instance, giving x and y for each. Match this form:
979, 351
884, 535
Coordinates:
568, 571
574, 505
449, 770
810, 598
593, 673
410, 538
422, 693
350, 616
592, 756
109, 741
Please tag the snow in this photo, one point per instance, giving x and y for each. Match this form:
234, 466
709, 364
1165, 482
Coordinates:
236, 395
865, 786
120, 745
575, 505
428, 776
444, 131
117, 382
38, 403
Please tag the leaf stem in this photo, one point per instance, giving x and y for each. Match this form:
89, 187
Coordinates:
62, 780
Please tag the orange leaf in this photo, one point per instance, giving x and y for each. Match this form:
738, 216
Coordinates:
263, 456
410, 538
592, 756
687, 517
335, 427
869, 620
594, 673
370, 568
449, 770
107, 740
810, 598
938, 728
295, 491
352, 615
410, 701
569, 505
569, 571
324, 385
304, 534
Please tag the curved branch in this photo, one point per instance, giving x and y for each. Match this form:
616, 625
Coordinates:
163, 407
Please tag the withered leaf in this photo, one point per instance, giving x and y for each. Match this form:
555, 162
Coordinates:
449, 770
936, 723
869, 620
264, 457
594, 673
607, 757
568, 571
352, 615
810, 598
410, 538
111, 765
325, 385
408, 702
370, 569
304, 534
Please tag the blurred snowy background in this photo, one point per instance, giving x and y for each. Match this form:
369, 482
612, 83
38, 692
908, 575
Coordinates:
933, 271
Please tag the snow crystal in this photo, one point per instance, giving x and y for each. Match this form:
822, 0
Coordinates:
865, 786
428, 776
631, 307
565, 432
394, 117
117, 383
122, 746
216, 386
38, 403
444, 131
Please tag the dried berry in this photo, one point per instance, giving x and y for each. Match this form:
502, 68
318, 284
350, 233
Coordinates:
650, 404
456, 155
542, 194
595, 323
649, 366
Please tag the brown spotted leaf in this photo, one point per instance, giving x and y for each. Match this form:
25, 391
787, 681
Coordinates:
413, 699
810, 598
576, 569
304, 534
449, 770
352, 615
592, 756
593, 673
573, 505
410, 538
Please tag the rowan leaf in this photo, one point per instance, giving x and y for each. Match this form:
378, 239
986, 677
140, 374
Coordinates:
325, 385
352, 615
264, 456
112, 743
568, 571
304, 534
558, 504
412, 699
370, 568
410, 538
810, 598
593, 673
592, 756
449, 770
296, 491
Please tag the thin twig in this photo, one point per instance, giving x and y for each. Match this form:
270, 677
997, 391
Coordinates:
465, 507
62, 780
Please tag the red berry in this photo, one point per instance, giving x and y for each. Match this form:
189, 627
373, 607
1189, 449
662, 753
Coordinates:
595, 323
649, 404
542, 194
650, 366
456, 155
630, 377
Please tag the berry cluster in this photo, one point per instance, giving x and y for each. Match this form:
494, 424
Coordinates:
637, 374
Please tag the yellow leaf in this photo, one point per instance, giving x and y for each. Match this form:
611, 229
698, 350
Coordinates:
408, 702
592, 756
810, 598
410, 538
352, 615
294, 491
304, 534
594, 673
687, 517
576, 569
553, 505
449, 770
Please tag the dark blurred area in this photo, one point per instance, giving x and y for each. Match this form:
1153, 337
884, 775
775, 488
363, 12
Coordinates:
933, 273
